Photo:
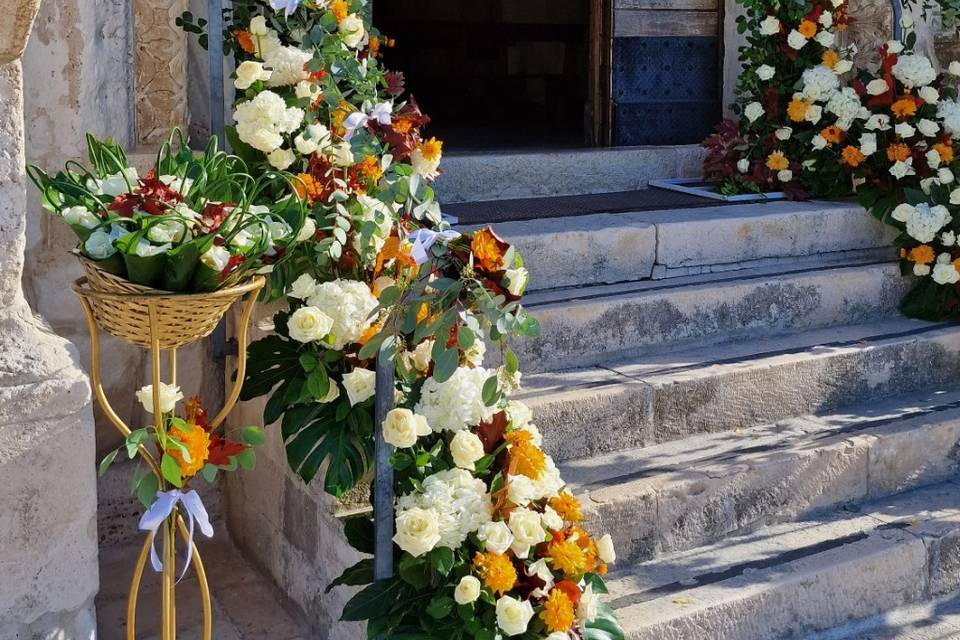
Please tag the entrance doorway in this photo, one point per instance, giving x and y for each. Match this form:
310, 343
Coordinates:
504, 74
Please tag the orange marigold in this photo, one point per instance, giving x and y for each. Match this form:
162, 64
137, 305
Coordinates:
567, 506
558, 613
904, 108
197, 443
898, 152
568, 557
832, 134
830, 59
488, 250
852, 157
402, 125
245, 40
307, 187
797, 109
526, 458
945, 151
370, 167
776, 161
924, 254
808, 28
340, 9
497, 571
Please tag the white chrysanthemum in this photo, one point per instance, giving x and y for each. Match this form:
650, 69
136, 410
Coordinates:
845, 104
926, 221
287, 65
460, 501
914, 71
262, 121
350, 304
820, 83
948, 111
457, 403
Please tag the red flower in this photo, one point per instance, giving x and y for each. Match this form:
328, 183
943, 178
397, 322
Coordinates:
124, 204
213, 215
221, 450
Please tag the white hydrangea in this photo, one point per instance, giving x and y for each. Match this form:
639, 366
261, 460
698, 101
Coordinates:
287, 65
820, 83
457, 403
924, 222
460, 501
845, 104
349, 303
262, 121
914, 71
948, 111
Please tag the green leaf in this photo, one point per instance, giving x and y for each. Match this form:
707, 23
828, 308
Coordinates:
440, 607
465, 338
442, 560
170, 469
491, 391
355, 576
446, 364
270, 361
596, 581
247, 458
373, 602
604, 626
511, 361
107, 461
414, 571
134, 440
147, 489
180, 264
209, 473
253, 436
358, 531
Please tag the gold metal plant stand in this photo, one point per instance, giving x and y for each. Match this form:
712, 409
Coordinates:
161, 322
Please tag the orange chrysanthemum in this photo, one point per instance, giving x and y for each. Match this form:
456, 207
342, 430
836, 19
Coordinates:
924, 254
567, 506
568, 557
339, 9
370, 167
898, 152
488, 250
402, 125
558, 613
245, 40
852, 157
904, 108
497, 571
307, 187
431, 149
808, 28
831, 59
797, 110
945, 151
197, 443
832, 134
776, 161
526, 458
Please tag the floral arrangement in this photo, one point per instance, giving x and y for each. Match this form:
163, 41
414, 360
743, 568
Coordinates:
491, 542
788, 94
192, 224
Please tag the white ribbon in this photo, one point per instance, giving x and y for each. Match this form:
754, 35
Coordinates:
162, 508
382, 113
423, 239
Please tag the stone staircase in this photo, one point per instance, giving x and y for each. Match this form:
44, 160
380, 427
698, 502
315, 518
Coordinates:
735, 397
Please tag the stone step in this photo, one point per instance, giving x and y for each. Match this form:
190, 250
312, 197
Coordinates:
657, 399
936, 619
699, 490
469, 177
787, 581
608, 248
592, 325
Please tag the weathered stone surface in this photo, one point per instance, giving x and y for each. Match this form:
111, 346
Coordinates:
472, 177
591, 325
161, 68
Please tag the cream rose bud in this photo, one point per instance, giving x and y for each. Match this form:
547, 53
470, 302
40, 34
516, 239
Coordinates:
170, 395
513, 615
258, 26
753, 111
954, 68
814, 113
766, 72
303, 287
558, 635
903, 212
743, 165
929, 95
605, 550
516, 280
527, 530
467, 591
496, 537
80, 217
948, 238
352, 31
877, 87
826, 19
360, 385
332, 393
307, 231
423, 355
307, 89
929, 128
466, 449
796, 40
249, 72
342, 155
589, 605
770, 26
309, 324
281, 158
401, 428
418, 531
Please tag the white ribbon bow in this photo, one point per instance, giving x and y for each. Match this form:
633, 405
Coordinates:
423, 239
161, 509
382, 113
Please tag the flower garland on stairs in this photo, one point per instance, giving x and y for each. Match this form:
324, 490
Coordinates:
492, 542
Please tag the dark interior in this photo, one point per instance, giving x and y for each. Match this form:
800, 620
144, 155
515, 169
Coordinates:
494, 74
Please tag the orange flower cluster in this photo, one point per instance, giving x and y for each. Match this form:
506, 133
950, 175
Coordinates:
496, 571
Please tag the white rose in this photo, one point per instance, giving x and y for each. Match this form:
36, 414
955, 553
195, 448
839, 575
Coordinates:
360, 385
814, 113
868, 144
826, 19
877, 87
313, 137
783, 133
496, 537
589, 605
929, 128
901, 170
904, 130
307, 231
770, 26
842, 67
551, 519
825, 38
466, 449
332, 393
170, 395
527, 529
743, 165
249, 72
258, 26
418, 531
796, 40
753, 111
352, 31
216, 258
516, 280
402, 427
933, 158
903, 212
948, 238
954, 68
945, 175
945, 273
309, 324
894, 46
467, 591
145, 250
423, 355
80, 217
818, 142
303, 287
766, 72
513, 615
878, 122
785, 175
605, 550
281, 158
929, 95
955, 197
921, 270
520, 490
927, 183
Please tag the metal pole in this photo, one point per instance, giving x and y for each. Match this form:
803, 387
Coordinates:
383, 478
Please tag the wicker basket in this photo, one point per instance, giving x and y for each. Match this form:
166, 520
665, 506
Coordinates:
122, 308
